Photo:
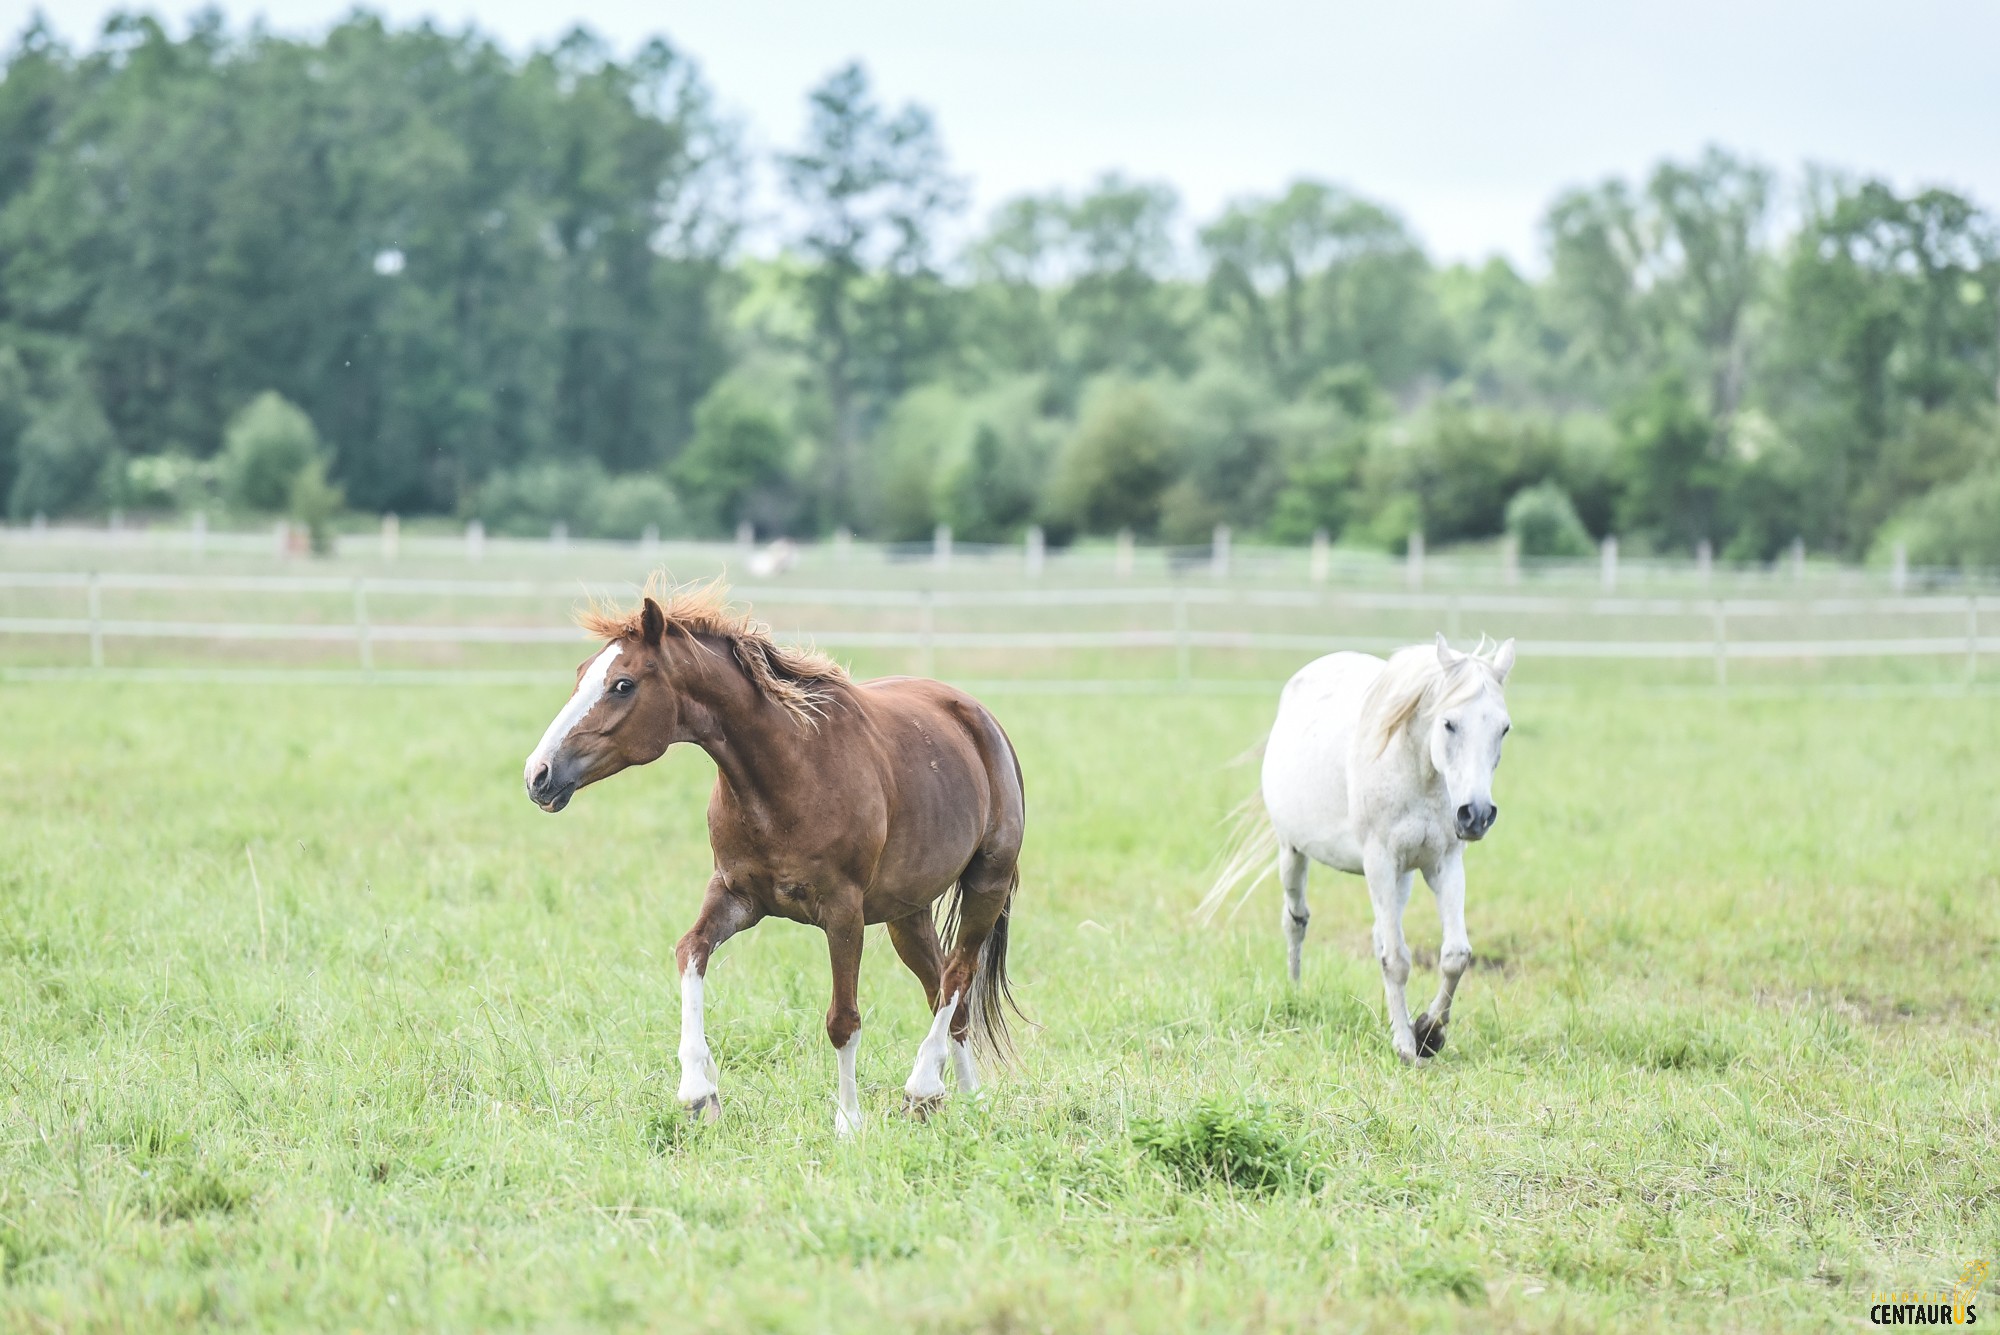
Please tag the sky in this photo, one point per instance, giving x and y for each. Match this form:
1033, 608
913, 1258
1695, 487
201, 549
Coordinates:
1467, 116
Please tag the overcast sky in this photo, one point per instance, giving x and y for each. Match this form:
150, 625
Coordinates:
1466, 115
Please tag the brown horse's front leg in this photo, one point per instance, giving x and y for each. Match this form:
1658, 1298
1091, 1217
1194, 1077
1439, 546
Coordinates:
841, 917
722, 916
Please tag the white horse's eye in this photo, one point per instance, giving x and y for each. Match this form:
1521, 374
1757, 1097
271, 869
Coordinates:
1449, 726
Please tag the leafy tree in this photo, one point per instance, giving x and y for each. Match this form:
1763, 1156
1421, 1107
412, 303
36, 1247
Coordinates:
871, 187
1675, 472
1320, 277
1118, 307
65, 453
445, 256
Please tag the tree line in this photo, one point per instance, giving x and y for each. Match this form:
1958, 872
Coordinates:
402, 270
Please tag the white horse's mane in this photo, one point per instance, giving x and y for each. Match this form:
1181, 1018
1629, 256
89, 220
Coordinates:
1415, 685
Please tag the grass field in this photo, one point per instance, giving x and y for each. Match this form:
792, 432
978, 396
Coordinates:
1727, 1061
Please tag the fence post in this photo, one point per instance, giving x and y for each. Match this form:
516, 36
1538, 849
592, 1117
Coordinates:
364, 643
1322, 556
1899, 568
1218, 552
1721, 643
1451, 617
843, 544
927, 636
392, 537
1971, 637
1413, 563
649, 542
1183, 664
559, 535
1038, 547
1704, 561
1122, 566
96, 624
198, 536
746, 534
941, 546
1510, 560
1798, 560
281, 537
475, 540
1607, 556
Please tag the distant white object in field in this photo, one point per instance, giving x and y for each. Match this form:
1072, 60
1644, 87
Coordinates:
775, 559
1382, 769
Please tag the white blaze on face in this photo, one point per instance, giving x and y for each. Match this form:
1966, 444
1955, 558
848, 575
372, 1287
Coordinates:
588, 692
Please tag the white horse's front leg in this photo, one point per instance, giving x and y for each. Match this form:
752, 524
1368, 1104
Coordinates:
1293, 868
1447, 882
1389, 891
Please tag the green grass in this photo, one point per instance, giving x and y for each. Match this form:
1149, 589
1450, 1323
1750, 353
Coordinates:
1727, 1062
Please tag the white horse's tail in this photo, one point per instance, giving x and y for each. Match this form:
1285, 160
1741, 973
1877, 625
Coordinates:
1250, 855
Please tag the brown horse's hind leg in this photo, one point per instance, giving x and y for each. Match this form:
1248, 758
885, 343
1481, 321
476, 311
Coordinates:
916, 942
983, 894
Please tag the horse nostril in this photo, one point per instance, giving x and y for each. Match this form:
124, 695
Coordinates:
1492, 814
541, 775
1465, 817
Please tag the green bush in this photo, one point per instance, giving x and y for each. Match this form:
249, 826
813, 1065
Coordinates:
528, 502
1240, 1146
267, 446
737, 465
1118, 462
314, 504
1958, 524
171, 481
1544, 522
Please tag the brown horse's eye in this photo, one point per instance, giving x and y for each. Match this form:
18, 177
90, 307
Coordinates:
623, 686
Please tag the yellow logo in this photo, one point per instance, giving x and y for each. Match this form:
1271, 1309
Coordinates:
1956, 1306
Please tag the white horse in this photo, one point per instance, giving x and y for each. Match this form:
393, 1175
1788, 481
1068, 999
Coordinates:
1381, 769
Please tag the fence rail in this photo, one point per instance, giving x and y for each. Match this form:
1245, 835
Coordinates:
1928, 604
1715, 615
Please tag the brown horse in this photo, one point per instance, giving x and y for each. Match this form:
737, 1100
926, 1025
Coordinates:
836, 803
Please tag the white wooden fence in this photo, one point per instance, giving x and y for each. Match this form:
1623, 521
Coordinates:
1835, 624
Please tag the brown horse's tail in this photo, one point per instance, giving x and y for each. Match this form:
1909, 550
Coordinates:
992, 996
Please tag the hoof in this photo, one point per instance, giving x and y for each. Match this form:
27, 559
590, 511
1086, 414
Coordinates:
707, 1108
845, 1127
1429, 1034
921, 1106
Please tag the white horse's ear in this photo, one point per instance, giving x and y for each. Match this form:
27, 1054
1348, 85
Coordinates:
1445, 656
1503, 660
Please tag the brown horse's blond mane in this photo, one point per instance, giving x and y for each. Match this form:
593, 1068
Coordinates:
795, 678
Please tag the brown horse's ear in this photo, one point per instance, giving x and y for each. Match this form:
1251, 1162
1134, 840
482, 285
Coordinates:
652, 623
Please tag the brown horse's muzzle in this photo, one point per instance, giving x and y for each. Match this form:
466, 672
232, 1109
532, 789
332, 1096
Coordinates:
549, 788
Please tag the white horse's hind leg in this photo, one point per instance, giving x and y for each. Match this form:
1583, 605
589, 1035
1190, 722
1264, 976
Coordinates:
1389, 890
925, 1088
1293, 867
1454, 952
